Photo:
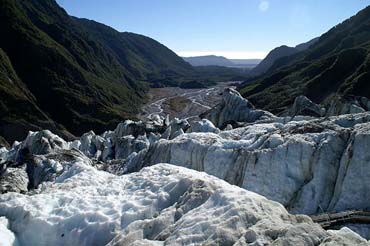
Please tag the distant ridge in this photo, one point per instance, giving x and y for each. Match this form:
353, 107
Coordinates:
278, 53
213, 60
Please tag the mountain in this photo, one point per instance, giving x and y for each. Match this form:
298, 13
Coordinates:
19, 112
71, 75
248, 63
209, 61
278, 53
271, 57
199, 61
337, 64
305, 46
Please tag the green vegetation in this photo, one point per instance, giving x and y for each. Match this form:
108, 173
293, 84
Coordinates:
59, 72
18, 110
337, 64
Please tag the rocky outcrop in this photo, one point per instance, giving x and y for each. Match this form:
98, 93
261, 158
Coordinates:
234, 108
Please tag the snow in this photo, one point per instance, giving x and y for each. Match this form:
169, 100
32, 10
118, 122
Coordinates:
7, 238
160, 205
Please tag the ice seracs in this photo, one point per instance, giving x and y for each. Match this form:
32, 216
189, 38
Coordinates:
347, 105
323, 161
304, 106
234, 108
334, 106
76, 194
203, 125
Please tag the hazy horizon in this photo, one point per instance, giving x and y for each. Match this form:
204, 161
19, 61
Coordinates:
237, 29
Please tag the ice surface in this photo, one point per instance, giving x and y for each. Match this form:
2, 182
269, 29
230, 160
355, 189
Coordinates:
160, 205
7, 238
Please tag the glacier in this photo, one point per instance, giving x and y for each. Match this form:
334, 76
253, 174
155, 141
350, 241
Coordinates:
160, 205
239, 176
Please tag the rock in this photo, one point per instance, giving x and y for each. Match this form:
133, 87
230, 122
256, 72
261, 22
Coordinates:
304, 106
234, 108
14, 180
161, 204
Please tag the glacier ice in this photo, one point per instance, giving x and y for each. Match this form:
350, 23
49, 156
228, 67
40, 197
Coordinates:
160, 205
110, 188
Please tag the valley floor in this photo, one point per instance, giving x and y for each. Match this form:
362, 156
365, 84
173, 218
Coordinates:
182, 103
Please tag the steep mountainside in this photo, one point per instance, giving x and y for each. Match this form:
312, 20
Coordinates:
74, 72
279, 53
338, 64
143, 57
19, 112
272, 56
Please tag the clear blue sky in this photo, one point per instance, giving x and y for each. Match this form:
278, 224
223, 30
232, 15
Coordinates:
233, 28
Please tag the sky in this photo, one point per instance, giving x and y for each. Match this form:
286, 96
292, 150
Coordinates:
236, 29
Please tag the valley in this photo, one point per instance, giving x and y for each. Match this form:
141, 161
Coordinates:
109, 137
183, 103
